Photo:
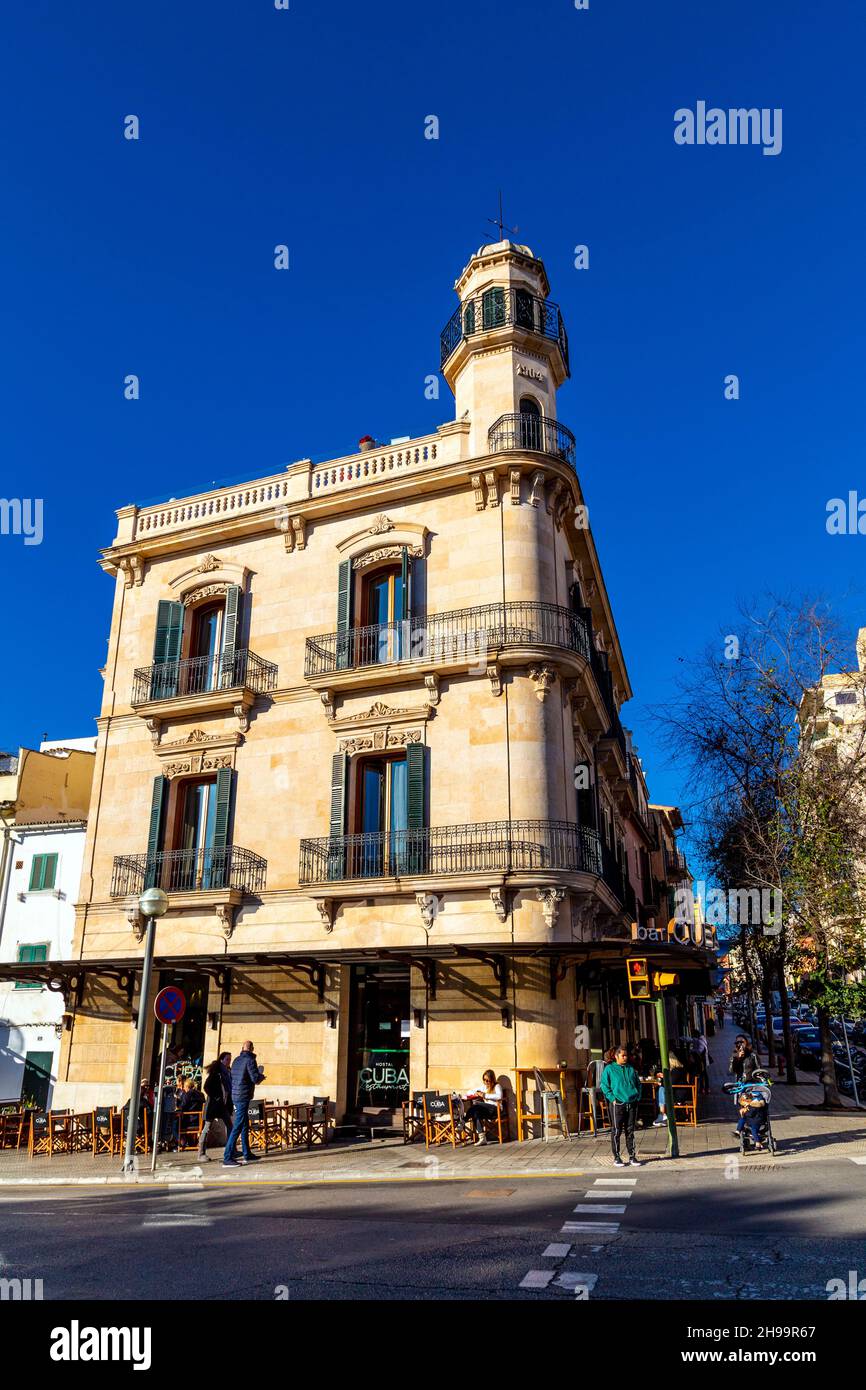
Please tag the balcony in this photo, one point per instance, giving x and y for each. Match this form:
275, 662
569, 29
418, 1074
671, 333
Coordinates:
464, 639
181, 871
676, 868
500, 847
503, 308
532, 434
203, 683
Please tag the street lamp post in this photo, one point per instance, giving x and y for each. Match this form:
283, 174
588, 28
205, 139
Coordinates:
153, 903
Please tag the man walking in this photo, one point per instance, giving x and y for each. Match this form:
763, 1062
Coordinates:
245, 1076
620, 1086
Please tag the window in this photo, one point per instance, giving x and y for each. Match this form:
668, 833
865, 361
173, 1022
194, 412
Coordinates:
493, 308
197, 651
530, 424
846, 697
28, 954
524, 309
43, 873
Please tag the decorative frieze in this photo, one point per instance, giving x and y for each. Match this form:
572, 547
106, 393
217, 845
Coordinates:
380, 739
384, 553
204, 591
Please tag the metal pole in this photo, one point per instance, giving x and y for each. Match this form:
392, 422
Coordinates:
141, 1027
662, 1030
850, 1062
157, 1109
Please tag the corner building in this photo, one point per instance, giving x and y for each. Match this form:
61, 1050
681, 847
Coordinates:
361, 723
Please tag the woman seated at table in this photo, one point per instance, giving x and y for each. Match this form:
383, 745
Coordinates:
485, 1105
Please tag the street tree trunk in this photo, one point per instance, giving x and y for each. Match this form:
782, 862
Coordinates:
766, 992
832, 1098
790, 1069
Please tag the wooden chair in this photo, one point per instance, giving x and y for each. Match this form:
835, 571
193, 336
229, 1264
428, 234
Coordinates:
498, 1126
14, 1129
413, 1116
39, 1135
143, 1129
189, 1129
312, 1122
82, 1130
275, 1131
107, 1127
686, 1102
257, 1135
441, 1124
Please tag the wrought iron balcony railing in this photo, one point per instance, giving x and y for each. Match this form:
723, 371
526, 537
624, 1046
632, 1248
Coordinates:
198, 674
189, 871
534, 433
499, 307
497, 846
675, 864
466, 633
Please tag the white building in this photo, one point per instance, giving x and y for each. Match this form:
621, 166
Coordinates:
44, 795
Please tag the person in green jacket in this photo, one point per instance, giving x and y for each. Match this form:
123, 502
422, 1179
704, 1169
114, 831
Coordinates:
620, 1086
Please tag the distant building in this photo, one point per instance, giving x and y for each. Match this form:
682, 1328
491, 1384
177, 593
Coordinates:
44, 797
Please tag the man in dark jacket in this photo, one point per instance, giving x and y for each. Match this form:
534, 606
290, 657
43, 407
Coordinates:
245, 1076
621, 1088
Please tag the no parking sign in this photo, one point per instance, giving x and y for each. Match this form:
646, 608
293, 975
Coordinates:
170, 1005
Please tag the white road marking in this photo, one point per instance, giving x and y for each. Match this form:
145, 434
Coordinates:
589, 1206
577, 1281
536, 1279
177, 1218
602, 1228
615, 1182
606, 1196
556, 1252
857, 1160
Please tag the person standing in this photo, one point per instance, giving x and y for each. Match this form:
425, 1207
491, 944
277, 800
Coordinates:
621, 1088
743, 1063
701, 1050
246, 1075
217, 1090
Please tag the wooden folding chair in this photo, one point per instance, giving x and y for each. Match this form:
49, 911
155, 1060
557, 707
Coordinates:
39, 1135
13, 1129
497, 1127
81, 1133
106, 1131
319, 1121
686, 1102
256, 1133
189, 1129
413, 1116
441, 1124
142, 1130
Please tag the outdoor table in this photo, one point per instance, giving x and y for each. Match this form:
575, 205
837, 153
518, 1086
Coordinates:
524, 1115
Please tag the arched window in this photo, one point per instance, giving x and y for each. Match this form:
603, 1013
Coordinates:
530, 424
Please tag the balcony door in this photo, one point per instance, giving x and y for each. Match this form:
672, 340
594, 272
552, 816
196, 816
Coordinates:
187, 847
382, 815
206, 645
196, 827
530, 424
384, 608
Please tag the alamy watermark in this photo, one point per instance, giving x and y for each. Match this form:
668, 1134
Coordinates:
736, 126
734, 907
22, 516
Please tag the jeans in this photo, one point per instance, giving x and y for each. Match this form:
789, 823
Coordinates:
479, 1112
622, 1117
754, 1122
241, 1127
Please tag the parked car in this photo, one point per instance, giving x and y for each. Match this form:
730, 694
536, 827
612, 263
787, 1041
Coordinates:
807, 1049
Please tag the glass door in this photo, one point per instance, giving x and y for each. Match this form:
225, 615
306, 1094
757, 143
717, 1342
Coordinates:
195, 867
383, 816
378, 1037
207, 648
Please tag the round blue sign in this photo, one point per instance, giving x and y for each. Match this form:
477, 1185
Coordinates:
170, 1005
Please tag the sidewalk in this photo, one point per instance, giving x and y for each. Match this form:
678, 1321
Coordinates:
800, 1136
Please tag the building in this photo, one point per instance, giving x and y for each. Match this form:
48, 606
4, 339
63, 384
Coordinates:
361, 722
44, 797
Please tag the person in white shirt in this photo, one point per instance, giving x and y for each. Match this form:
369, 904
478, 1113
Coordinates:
486, 1106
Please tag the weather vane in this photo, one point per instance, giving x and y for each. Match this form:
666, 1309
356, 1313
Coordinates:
498, 221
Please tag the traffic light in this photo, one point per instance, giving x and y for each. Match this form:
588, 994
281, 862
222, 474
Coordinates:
663, 980
638, 978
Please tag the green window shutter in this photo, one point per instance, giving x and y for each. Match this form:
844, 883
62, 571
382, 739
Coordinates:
469, 319
223, 808
231, 625
337, 848
344, 614
406, 577
154, 833
26, 955
43, 872
493, 307
166, 649
49, 872
415, 786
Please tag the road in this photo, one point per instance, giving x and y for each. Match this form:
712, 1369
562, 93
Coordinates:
771, 1232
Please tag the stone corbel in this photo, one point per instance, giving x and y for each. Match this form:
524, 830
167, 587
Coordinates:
137, 921
432, 684
326, 908
537, 487
495, 677
499, 901
242, 715
154, 729
478, 488
299, 526
492, 482
132, 567
542, 678
515, 487
550, 899
428, 905
226, 917
327, 699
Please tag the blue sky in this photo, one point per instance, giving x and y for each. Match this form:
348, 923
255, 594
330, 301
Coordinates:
306, 127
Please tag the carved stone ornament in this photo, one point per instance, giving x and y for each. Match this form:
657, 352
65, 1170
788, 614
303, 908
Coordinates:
537, 492
210, 562
495, 678
153, 727
379, 710
492, 488
132, 569
327, 699
226, 917
196, 764
137, 921
380, 739
326, 912
542, 678
385, 552
294, 531
428, 905
500, 907
514, 477
432, 684
550, 899
204, 591
382, 524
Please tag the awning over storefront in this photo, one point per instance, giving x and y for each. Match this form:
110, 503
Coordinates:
67, 977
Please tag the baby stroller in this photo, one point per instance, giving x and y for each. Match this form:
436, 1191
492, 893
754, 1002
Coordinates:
760, 1087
